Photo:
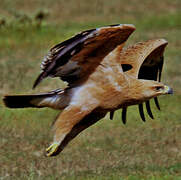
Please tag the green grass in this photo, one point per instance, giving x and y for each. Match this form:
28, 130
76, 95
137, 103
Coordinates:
109, 149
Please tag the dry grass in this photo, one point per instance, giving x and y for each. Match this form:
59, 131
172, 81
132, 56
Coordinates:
108, 150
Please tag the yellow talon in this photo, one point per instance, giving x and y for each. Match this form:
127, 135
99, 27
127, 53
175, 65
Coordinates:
52, 148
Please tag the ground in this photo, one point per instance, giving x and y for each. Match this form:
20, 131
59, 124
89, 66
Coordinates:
109, 149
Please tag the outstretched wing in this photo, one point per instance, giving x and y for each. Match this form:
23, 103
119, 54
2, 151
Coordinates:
145, 57
76, 58
146, 60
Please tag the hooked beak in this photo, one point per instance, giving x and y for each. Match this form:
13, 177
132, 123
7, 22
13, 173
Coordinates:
167, 90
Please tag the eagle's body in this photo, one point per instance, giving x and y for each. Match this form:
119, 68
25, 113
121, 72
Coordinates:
101, 76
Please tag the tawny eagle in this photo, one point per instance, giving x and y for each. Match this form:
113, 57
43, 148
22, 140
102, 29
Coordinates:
102, 77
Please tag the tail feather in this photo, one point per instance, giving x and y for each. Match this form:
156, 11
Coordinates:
21, 101
50, 99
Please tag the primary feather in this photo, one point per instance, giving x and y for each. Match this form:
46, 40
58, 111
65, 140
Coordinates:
75, 59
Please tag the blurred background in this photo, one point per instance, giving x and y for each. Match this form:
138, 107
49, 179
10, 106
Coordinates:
108, 150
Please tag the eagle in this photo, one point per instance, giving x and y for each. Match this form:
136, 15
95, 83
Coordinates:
102, 77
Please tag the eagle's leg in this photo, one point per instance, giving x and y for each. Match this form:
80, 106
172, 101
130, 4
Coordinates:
87, 121
65, 122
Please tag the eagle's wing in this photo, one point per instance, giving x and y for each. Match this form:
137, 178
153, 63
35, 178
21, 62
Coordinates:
76, 58
146, 62
145, 57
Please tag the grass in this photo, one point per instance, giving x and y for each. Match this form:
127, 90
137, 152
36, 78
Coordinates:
108, 150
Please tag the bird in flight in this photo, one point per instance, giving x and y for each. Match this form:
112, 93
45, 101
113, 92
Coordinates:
102, 77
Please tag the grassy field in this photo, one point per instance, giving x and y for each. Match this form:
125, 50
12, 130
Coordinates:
109, 149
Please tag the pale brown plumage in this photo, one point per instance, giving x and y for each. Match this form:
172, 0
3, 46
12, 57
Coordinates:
102, 77
146, 59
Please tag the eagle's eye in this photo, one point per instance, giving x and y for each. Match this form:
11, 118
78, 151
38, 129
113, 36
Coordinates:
158, 88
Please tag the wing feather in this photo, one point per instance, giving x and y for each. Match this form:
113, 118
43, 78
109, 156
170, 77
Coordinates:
144, 56
75, 59
124, 111
148, 108
141, 112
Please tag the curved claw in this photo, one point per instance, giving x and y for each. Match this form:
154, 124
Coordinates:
141, 112
52, 149
149, 109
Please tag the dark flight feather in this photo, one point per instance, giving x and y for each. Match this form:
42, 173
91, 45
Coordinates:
111, 115
124, 111
149, 109
141, 112
76, 58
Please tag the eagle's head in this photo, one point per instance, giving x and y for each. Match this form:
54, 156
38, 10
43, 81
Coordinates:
142, 90
147, 89
152, 89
